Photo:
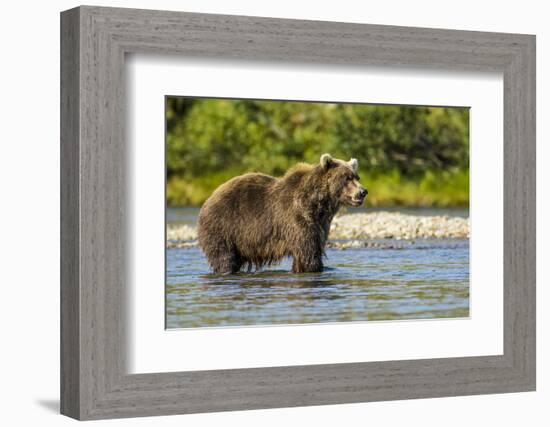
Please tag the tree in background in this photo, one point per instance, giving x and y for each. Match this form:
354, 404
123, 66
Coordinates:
410, 140
212, 140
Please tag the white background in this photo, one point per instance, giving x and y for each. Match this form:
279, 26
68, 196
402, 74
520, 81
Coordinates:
29, 173
152, 349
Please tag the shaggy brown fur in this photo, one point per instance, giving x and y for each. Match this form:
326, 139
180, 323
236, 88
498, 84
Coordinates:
255, 220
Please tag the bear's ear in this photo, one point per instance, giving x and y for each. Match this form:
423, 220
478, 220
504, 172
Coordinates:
326, 161
354, 164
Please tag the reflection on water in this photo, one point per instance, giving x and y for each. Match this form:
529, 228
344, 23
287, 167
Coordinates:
427, 279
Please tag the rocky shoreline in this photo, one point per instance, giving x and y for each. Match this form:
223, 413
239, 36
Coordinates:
362, 230
394, 225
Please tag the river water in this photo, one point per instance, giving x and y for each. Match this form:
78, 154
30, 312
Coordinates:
427, 278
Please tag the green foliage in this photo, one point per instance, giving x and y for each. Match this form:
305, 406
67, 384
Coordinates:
409, 139
432, 188
413, 155
216, 135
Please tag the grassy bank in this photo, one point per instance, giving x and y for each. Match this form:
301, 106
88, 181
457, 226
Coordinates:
433, 188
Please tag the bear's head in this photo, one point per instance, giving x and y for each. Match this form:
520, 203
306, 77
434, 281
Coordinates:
343, 181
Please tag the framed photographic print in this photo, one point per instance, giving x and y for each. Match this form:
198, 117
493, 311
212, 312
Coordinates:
262, 213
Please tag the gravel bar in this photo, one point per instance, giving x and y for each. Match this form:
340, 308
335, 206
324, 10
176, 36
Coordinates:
355, 229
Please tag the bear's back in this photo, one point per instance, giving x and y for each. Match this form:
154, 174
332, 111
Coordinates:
244, 194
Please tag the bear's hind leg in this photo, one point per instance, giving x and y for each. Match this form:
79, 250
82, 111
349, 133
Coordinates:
312, 264
225, 260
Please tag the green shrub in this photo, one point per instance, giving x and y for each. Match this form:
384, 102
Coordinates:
412, 155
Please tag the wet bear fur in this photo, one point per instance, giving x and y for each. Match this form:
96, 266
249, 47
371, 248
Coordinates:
255, 220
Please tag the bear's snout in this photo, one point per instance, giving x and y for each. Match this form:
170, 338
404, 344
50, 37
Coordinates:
359, 196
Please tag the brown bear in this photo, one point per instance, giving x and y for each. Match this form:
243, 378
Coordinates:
254, 220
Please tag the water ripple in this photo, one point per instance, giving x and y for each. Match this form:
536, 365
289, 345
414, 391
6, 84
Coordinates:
427, 279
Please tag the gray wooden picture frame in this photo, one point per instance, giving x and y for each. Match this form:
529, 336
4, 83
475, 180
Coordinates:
94, 381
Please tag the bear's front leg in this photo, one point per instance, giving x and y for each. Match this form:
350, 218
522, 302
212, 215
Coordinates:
307, 253
312, 264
